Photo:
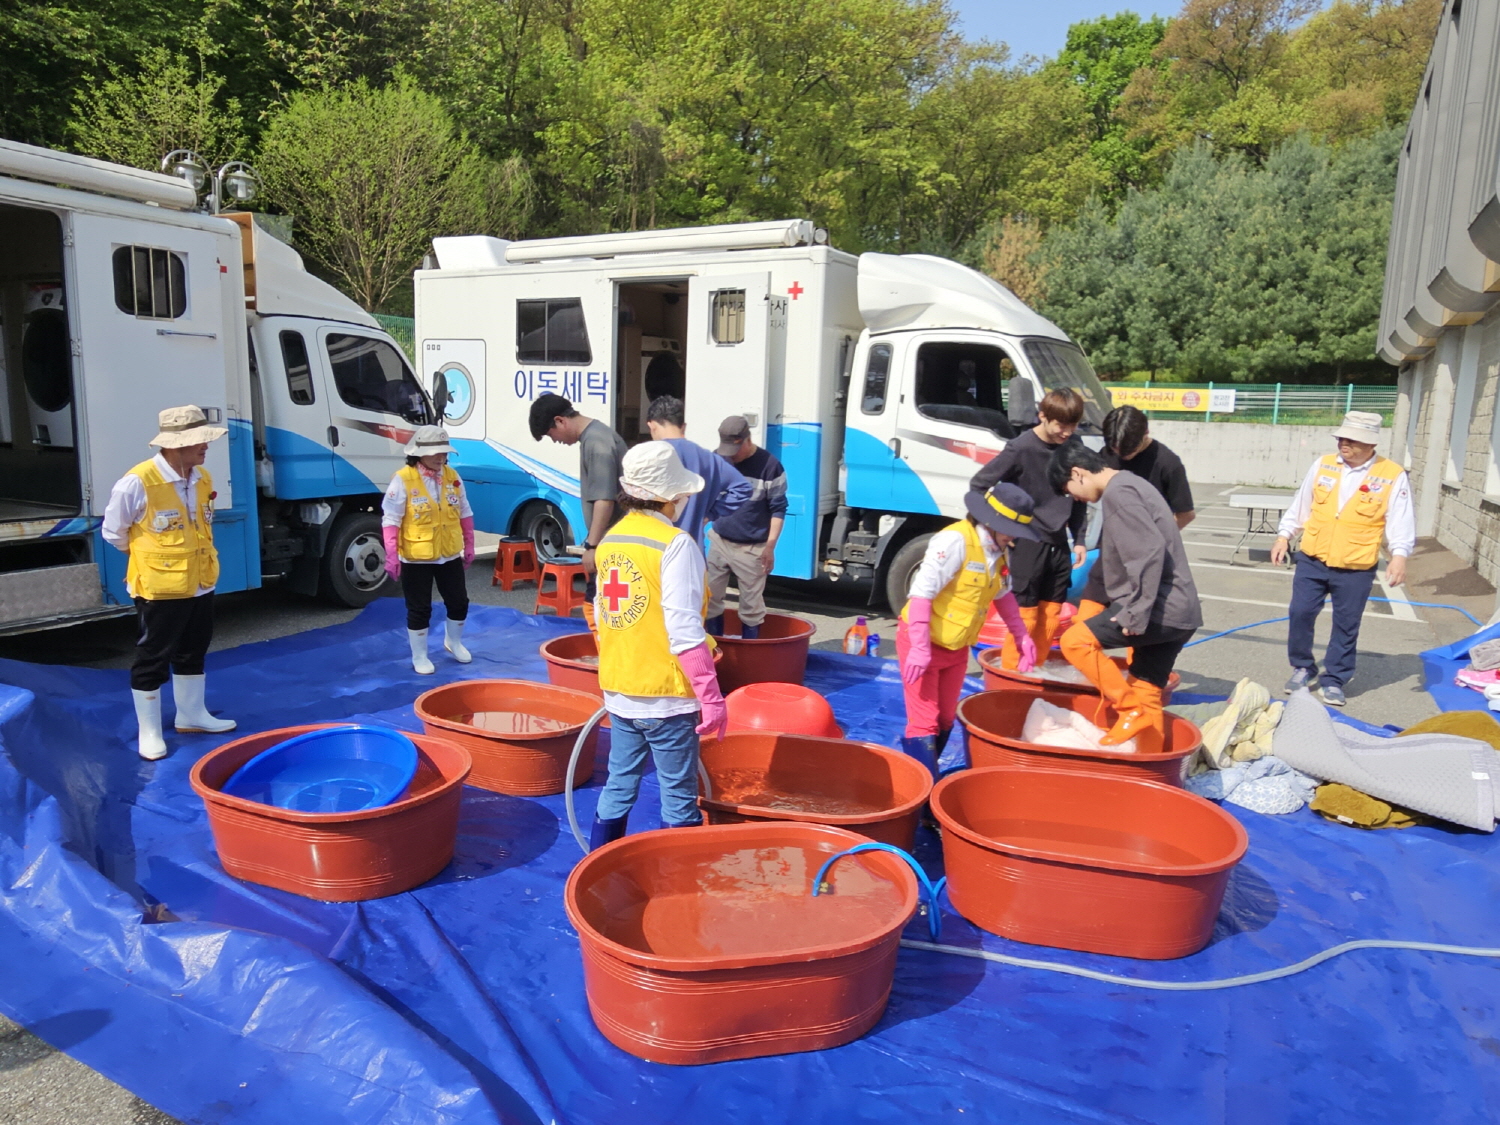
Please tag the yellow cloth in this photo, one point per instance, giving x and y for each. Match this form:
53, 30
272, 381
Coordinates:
430, 528
1359, 810
1461, 724
959, 610
1349, 537
635, 653
171, 551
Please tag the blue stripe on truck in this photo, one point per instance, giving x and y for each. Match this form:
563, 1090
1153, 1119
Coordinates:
799, 448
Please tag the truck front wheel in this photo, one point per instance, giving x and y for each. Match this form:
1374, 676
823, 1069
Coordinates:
903, 569
354, 561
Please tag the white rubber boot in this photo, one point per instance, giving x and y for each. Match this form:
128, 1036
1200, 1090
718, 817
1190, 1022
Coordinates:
453, 632
419, 662
150, 745
192, 714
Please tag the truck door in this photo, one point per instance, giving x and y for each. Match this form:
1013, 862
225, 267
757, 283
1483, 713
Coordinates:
951, 415
298, 425
375, 403
877, 474
728, 353
152, 325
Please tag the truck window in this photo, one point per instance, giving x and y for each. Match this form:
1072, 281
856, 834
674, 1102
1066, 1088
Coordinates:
150, 283
1058, 364
964, 383
370, 375
728, 319
299, 382
552, 331
877, 375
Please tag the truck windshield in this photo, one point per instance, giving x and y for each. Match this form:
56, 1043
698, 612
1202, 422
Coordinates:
1059, 364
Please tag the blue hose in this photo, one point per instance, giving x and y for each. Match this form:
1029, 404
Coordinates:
1387, 601
934, 922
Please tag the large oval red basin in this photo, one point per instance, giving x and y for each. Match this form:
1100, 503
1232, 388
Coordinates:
1103, 864
778, 655
705, 944
1055, 675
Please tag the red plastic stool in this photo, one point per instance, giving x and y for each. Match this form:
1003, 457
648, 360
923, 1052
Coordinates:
568, 586
515, 561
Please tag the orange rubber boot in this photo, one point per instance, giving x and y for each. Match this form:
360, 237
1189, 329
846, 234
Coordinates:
1044, 632
1141, 718
1080, 648
1010, 655
1087, 609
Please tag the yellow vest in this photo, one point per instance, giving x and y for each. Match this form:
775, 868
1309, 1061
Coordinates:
171, 551
959, 610
635, 653
430, 529
1349, 539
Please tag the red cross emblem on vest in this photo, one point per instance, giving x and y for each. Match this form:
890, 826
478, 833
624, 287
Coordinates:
615, 592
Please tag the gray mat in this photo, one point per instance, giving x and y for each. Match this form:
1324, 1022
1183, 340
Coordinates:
1441, 775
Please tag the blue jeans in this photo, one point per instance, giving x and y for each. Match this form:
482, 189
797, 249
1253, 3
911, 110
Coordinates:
1313, 581
673, 746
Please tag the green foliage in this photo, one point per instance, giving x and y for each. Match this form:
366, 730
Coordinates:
1233, 271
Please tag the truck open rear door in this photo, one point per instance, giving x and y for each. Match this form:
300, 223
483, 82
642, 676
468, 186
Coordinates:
728, 353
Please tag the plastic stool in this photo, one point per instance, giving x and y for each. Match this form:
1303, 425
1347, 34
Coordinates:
566, 594
515, 561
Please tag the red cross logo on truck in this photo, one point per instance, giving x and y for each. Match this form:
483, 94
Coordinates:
614, 590
796, 290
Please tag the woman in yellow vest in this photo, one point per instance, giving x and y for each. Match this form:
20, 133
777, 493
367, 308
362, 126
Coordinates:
965, 570
655, 664
428, 529
162, 513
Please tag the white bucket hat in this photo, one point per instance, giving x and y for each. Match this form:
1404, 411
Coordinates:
652, 471
182, 426
1360, 426
427, 441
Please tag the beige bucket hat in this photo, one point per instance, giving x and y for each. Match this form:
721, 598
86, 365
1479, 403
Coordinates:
1360, 426
428, 440
182, 426
653, 471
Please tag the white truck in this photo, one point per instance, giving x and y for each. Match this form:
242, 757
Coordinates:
119, 297
881, 382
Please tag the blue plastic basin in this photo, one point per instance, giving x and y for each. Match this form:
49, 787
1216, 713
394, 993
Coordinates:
339, 769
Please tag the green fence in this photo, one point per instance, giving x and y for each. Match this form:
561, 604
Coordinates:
1289, 404
403, 330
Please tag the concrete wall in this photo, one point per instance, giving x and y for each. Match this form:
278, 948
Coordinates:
1247, 453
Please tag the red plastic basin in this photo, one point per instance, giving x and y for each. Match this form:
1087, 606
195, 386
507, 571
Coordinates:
855, 785
573, 662
782, 708
705, 944
336, 857
994, 720
525, 756
996, 678
778, 655
1102, 864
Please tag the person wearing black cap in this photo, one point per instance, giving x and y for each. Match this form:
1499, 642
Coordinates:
965, 570
1153, 606
743, 543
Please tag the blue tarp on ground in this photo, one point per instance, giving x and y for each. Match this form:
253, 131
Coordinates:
1440, 665
463, 1002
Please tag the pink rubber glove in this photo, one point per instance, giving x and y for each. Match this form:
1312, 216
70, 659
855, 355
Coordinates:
467, 523
918, 639
1010, 612
698, 663
392, 537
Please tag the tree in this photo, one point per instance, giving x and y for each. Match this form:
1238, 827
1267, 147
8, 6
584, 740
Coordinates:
137, 119
372, 176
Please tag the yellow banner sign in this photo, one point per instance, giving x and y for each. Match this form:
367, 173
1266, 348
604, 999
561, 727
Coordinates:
1168, 398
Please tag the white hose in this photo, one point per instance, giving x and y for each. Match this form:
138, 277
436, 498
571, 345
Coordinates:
568, 780
1202, 985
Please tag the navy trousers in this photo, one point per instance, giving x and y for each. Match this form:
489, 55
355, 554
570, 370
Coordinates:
1313, 581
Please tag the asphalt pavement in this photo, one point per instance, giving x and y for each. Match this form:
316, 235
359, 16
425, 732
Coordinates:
1238, 585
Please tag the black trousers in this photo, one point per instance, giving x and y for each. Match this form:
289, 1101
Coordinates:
1040, 572
174, 633
1154, 651
416, 583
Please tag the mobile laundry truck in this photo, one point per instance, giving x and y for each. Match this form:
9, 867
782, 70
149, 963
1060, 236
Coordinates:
881, 382
119, 297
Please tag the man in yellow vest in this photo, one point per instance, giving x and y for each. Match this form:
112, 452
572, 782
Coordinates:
1346, 503
655, 664
965, 570
162, 513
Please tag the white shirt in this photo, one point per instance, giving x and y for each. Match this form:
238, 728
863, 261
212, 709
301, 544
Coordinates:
127, 504
393, 507
945, 557
682, 569
1400, 517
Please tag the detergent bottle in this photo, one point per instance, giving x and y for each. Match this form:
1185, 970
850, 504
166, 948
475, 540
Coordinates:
856, 638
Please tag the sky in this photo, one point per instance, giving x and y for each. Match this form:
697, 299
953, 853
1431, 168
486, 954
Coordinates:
1040, 28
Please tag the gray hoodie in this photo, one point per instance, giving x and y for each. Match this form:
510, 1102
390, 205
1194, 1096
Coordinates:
1142, 560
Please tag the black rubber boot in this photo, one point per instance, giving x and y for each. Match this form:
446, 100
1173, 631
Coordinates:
924, 750
606, 831
750, 632
714, 626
